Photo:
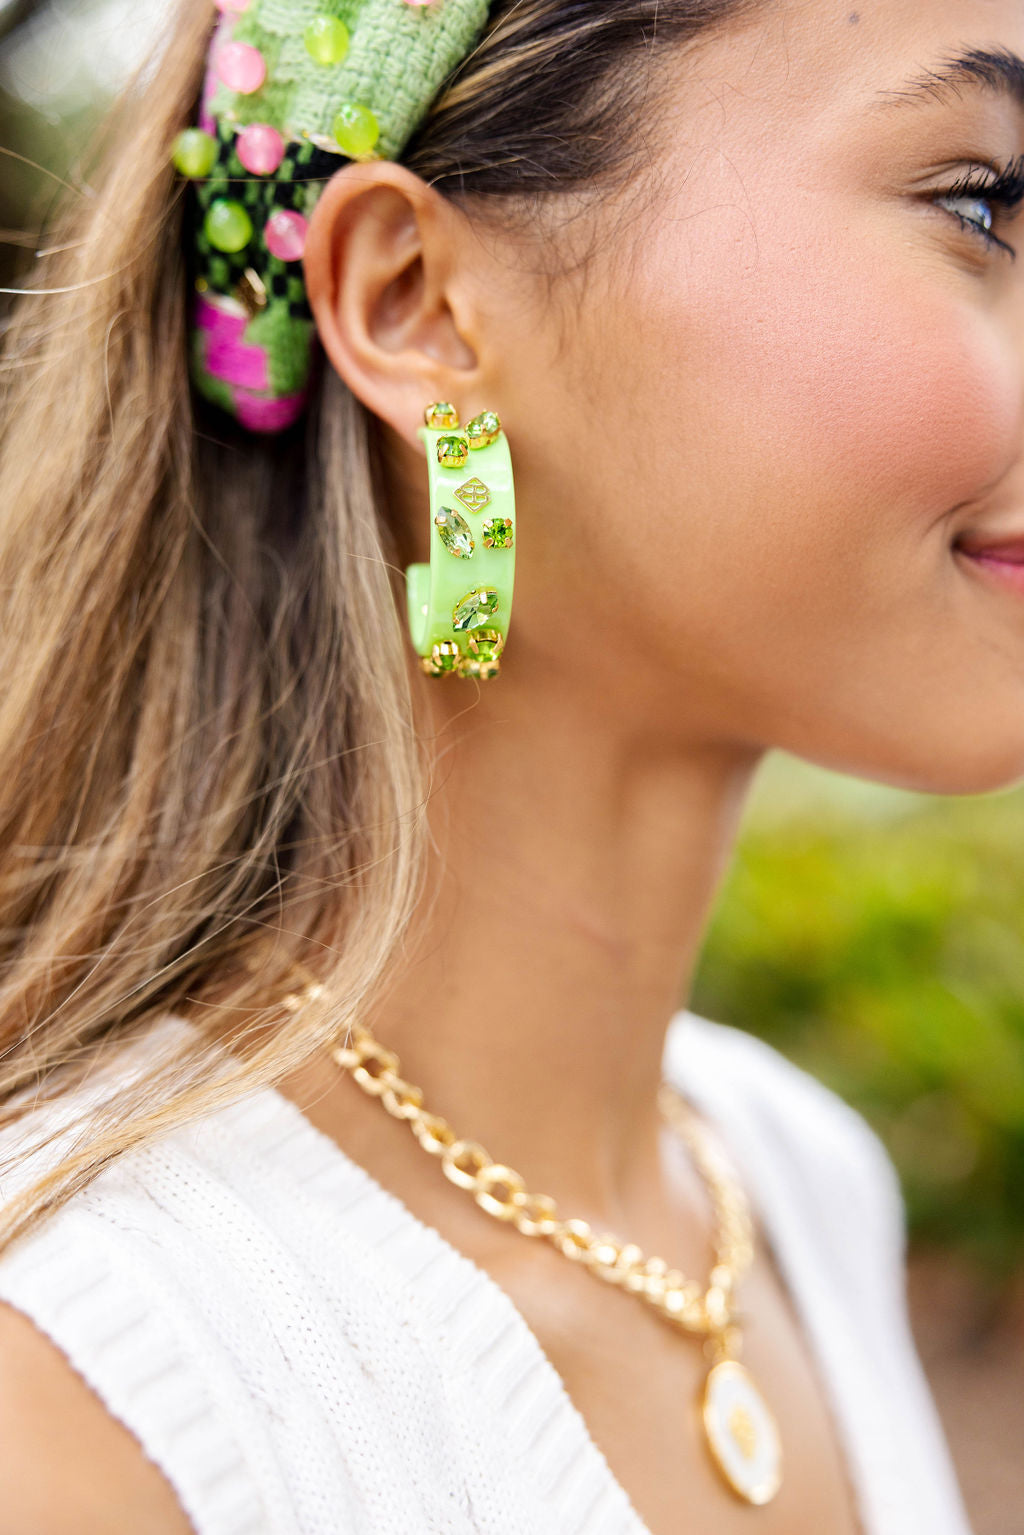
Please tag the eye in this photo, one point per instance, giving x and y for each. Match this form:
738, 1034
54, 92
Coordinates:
978, 222
984, 191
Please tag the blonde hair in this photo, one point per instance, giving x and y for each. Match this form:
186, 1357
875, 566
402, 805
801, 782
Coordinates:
209, 763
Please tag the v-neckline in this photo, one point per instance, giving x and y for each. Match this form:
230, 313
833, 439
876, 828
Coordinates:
568, 1437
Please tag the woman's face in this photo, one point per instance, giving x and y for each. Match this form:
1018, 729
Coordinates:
790, 380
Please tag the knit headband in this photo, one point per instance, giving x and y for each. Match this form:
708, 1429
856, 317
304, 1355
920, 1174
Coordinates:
293, 88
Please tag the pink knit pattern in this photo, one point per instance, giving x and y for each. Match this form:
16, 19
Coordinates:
233, 361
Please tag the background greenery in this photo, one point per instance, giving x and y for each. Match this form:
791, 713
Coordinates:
872, 935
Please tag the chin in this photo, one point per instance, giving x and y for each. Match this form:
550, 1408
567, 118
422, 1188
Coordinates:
985, 768
925, 761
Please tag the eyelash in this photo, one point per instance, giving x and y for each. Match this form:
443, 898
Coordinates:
1006, 192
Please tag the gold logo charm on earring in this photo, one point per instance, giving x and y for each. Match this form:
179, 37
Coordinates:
474, 495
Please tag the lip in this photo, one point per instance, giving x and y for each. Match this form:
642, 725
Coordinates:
1006, 546
1004, 567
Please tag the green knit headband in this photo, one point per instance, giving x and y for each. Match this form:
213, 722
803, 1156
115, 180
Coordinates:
292, 89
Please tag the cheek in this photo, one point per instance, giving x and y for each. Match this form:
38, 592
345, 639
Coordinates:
782, 428
824, 403
864, 392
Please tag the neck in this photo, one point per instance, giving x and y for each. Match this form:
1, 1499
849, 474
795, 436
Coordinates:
576, 863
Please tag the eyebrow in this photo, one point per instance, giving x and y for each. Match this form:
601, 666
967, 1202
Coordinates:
995, 69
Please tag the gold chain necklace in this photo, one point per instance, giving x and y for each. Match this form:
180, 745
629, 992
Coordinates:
740, 1431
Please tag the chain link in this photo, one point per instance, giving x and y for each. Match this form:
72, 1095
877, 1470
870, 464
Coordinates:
500, 1191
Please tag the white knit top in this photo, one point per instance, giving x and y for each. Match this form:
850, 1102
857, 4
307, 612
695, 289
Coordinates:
301, 1355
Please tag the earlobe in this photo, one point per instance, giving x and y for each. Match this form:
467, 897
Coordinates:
381, 272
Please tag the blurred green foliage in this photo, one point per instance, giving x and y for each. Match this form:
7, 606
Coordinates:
878, 941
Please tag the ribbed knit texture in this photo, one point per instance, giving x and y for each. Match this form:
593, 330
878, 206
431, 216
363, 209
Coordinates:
301, 1355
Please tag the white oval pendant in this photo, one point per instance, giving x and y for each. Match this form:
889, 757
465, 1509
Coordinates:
742, 1433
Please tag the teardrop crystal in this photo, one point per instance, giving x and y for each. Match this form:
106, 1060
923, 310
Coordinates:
475, 609
455, 532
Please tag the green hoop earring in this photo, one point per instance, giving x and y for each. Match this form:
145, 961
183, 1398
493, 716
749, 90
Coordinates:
460, 604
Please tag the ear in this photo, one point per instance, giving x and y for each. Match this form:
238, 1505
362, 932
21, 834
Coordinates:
385, 270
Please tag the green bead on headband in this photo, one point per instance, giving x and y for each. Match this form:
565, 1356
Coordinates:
292, 88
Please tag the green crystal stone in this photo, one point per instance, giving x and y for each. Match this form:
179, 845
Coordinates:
326, 39
482, 667
441, 414
455, 532
194, 153
483, 429
452, 451
498, 533
474, 609
227, 225
355, 130
443, 658
483, 659
486, 642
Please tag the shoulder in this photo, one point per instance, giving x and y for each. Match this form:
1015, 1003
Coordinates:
206, 1302
64, 1452
799, 1131
112, 1403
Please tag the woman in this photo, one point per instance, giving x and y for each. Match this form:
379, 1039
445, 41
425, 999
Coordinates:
738, 278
